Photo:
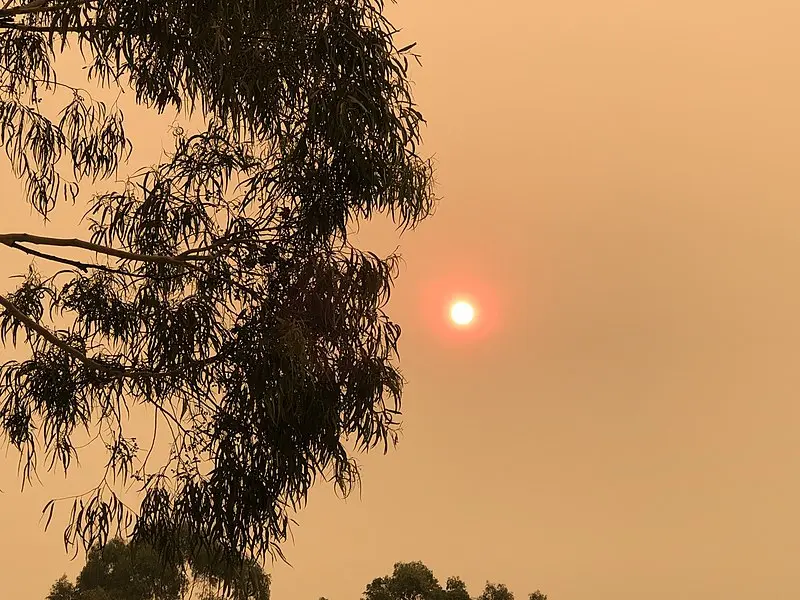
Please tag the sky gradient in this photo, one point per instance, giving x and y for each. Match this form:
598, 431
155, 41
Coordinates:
620, 195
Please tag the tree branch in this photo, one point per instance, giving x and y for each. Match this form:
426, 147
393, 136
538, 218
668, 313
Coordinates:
37, 6
14, 239
49, 335
45, 82
82, 358
82, 266
48, 29
64, 261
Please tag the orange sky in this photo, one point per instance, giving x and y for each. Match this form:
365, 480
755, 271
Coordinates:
621, 195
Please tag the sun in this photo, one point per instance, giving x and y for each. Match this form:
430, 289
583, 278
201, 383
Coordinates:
462, 313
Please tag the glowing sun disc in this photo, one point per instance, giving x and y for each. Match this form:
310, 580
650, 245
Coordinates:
462, 313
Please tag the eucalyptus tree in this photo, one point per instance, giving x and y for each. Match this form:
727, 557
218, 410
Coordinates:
219, 288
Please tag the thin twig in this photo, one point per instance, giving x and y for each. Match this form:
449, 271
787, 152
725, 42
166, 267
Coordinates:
46, 83
48, 29
64, 261
82, 266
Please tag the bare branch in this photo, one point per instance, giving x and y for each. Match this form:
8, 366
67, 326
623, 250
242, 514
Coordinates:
64, 261
14, 239
82, 266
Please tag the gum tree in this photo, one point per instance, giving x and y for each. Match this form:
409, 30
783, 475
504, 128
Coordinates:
218, 289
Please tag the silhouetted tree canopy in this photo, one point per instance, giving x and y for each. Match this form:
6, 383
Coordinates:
496, 591
119, 573
408, 581
63, 589
218, 288
415, 581
456, 589
123, 571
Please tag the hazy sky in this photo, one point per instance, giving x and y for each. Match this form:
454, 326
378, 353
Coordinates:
621, 196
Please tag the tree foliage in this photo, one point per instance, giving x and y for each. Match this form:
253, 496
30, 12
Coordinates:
415, 581
456, 589
218, 288
496, 591
408, 581
63, 589
124, 571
